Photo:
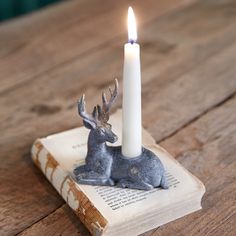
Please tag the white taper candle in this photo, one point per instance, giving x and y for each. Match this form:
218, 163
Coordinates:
132, 122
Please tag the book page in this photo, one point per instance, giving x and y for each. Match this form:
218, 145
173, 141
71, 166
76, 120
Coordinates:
116, 204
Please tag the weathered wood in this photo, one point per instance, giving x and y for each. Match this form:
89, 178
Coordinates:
52, 104
63, 36
16, 164
207, 148
62, 217
188, 68
191, 95
200, 147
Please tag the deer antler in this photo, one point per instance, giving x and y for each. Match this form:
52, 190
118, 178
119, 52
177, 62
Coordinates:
100, 115
106, 105
84, 114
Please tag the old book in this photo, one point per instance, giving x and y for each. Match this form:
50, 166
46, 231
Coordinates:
115, 211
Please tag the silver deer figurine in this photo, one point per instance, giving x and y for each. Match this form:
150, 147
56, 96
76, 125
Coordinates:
105, 165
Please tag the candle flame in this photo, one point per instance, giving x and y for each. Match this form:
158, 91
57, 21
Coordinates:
132, 27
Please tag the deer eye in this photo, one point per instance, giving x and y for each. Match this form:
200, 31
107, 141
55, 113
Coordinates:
102, 130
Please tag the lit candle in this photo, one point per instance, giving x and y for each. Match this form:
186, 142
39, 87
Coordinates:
132, 128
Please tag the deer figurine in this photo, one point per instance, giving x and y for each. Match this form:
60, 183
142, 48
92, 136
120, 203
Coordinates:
105, 165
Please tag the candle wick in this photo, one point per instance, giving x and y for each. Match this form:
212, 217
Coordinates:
132, 41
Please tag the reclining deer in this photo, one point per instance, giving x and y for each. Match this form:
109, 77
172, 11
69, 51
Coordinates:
105, 164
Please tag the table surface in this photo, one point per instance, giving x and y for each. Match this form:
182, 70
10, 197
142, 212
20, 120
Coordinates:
49, 58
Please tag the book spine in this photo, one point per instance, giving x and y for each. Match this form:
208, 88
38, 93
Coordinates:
68, 189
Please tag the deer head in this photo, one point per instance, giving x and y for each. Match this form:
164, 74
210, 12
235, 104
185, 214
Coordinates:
97, 121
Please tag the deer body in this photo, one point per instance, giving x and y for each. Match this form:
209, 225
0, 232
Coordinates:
105, 165
97, 170
143, 172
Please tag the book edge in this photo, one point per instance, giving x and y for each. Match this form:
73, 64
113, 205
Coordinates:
162, 221
202, 187
89, 215
195, 196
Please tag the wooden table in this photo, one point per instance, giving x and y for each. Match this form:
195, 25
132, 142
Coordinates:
49, 58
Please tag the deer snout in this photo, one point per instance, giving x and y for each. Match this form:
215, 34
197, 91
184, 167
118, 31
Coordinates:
115, 138
112, 137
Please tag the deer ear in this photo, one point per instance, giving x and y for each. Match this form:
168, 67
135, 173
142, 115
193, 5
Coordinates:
89, 124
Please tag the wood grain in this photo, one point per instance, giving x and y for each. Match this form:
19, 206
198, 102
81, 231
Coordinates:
23, 68
43, 45
207, 148
59, 224
199, 147
188, 71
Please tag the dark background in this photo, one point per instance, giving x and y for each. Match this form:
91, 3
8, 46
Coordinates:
13, 8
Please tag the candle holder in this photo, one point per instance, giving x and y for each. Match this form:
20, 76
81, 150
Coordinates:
104, 164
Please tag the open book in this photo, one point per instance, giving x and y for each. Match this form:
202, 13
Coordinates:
111, 210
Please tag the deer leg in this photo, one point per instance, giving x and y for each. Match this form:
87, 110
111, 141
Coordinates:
83, 172
135, 179
129, 183
164, 183
104, 182
94, 178
80, 170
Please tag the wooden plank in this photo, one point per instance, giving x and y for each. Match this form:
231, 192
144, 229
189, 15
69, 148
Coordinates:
207, 148
66, 86
56, 36
73, 79
191, 95
42, 199
71, 225
42, 110
199, 147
